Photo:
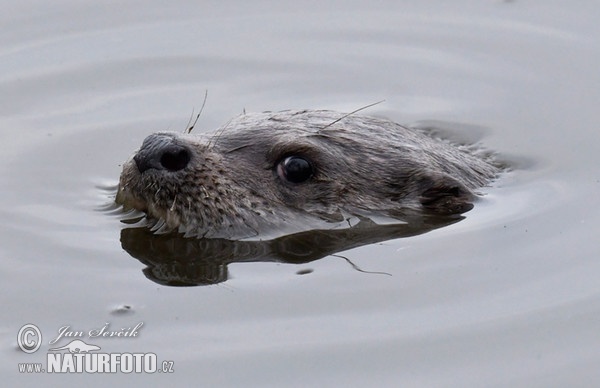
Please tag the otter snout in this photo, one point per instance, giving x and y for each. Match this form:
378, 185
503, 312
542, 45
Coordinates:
161, 151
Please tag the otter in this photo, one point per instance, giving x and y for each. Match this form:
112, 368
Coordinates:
265, 175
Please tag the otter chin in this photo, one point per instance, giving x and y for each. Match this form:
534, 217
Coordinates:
269, 174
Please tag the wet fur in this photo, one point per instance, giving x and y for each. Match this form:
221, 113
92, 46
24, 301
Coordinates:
363, 166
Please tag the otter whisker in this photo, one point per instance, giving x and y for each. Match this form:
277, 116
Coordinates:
189, 124
319, 135
237, 148
157, 225
351, 113
189, 128
217, 135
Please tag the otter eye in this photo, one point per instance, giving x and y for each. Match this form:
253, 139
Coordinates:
294, 169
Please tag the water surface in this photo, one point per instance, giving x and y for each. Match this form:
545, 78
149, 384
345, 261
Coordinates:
507, 297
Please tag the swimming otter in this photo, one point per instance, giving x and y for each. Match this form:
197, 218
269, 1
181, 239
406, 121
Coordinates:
270, 174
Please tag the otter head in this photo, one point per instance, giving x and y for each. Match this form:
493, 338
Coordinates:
270, 174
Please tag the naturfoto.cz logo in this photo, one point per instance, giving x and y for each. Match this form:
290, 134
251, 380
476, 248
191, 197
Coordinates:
78, 356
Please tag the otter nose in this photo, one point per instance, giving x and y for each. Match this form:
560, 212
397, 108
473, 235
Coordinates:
160, 152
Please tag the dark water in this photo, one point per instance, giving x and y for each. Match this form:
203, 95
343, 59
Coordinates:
507, 297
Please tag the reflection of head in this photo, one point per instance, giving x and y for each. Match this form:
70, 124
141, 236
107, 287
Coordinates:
173, 260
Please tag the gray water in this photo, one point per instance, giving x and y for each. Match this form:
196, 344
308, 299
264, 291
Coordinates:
507, 297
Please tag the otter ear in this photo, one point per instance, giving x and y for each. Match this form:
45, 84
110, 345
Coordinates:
444, 195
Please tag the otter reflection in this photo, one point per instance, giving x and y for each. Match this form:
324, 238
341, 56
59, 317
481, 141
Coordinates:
173, 260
